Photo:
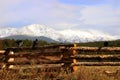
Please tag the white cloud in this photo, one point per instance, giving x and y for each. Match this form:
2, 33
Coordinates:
60, 15
101, 15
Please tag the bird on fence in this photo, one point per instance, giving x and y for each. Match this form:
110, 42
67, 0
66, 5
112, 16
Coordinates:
19, 43
35, 43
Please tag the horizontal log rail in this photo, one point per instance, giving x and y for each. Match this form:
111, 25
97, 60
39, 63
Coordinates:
40, 47
38, 66
103, 49
76, 64
34, 63
116, 56
96, 64
34, 54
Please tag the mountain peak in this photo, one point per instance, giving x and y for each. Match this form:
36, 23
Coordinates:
62, 36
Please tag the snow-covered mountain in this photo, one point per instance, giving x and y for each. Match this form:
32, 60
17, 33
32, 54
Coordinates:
62, 36
4, 32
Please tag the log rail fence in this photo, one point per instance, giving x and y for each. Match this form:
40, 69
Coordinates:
64, 56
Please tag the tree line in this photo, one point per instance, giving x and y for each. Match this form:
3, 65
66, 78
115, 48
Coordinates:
5, 43
114, 43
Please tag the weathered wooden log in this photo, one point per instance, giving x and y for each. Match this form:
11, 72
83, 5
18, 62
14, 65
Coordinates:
94, 49
96, 64
40, 47
2, 51
115, 56
32, 55
35, 63
38, 66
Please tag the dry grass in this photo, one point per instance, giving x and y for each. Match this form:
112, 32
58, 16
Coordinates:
98, 72
84, 73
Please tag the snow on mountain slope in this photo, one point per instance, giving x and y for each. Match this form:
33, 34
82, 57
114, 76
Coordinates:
4, 32
40, 30
85, 35
62, 36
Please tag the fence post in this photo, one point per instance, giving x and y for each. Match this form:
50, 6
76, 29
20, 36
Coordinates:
74, 61
11, 60
7, 59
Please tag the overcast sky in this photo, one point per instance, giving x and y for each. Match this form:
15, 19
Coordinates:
101, 15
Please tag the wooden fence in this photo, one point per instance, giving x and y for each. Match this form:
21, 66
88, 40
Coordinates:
65, 56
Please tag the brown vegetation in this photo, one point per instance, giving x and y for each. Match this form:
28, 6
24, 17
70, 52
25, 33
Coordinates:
84, 73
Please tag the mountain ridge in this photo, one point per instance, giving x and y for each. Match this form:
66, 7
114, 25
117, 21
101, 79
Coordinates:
61, 36
23, 37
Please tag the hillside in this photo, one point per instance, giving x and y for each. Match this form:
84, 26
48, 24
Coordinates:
23, 37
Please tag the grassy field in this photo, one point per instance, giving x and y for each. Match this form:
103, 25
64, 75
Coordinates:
83, 73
